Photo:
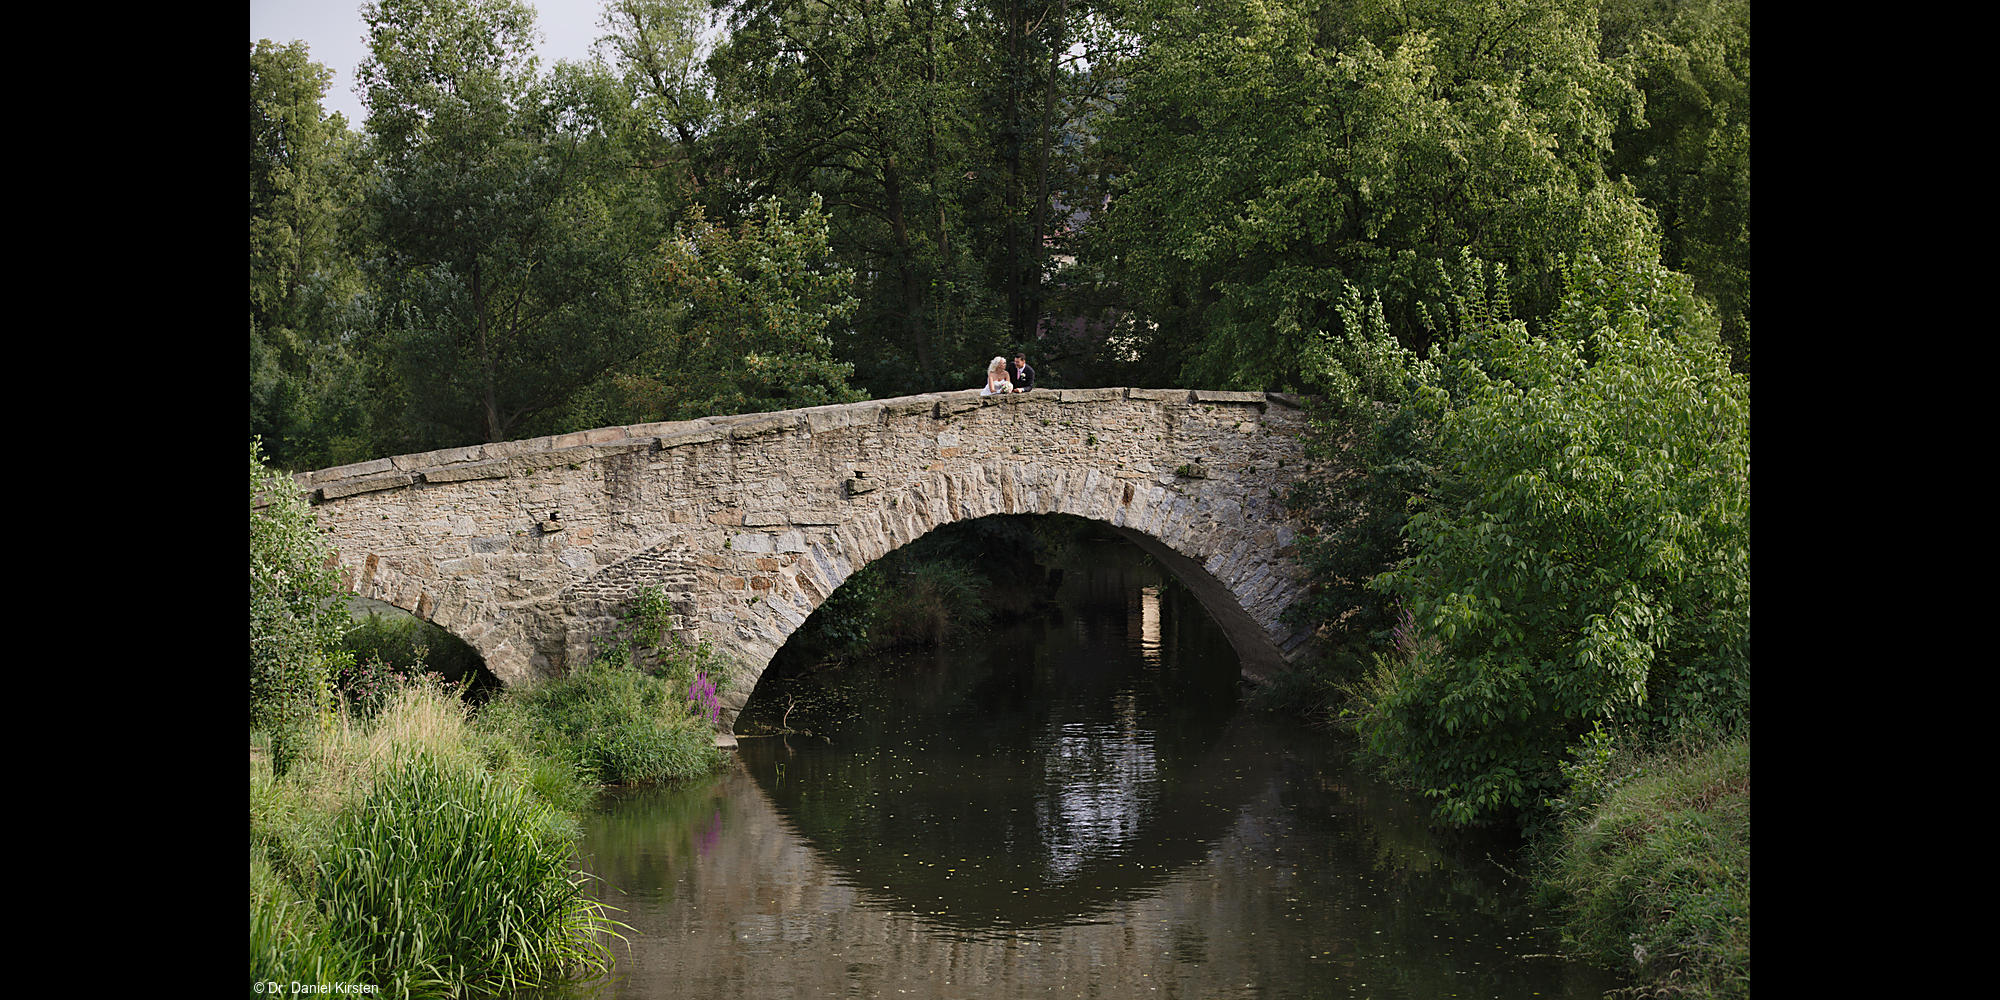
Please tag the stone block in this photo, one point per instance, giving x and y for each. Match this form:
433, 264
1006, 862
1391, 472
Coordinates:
466, 473
372, 484
1082, 395
354, 471
446, 456
1219, 396
909, 406
753, 541
1160, 395
683, 438
820, 419
766, 425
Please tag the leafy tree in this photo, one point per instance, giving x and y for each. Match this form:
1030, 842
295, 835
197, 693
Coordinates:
1366, 430
510, 280
940, 138
753, 309
305, 289
1690, 155
865, 103
1587, 554
296, 616
1276, 152
656, 44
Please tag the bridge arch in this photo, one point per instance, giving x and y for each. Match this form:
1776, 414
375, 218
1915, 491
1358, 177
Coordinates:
530, 550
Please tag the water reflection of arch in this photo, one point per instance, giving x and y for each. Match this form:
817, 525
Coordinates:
999, 852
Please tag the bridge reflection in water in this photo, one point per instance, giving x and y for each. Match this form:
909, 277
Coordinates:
1076, 807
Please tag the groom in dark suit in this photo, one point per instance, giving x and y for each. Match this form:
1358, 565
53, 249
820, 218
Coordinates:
1020, 374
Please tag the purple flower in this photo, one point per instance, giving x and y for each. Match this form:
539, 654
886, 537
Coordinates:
702, 691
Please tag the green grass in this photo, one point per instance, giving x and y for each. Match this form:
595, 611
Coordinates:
418, 853
1655, 874
456, 877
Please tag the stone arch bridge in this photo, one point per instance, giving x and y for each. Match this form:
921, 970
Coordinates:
529, 550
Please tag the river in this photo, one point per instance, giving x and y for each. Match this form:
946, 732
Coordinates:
1073, 806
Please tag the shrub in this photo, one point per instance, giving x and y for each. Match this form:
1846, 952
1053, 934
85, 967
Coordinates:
1588, 559
415, 805
644, 750
409, 646
929, 602
295, 619
617, 725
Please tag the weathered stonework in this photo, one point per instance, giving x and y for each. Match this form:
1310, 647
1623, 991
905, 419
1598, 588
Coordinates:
529, 549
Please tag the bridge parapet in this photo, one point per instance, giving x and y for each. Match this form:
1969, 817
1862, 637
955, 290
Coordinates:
529, 549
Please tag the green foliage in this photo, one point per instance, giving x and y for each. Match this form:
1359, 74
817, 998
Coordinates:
408, 645
508, 271
618, 725
650, 616
754, 307
845, 622
305, 288
457, 879
1589, 555
296, 619
290, 943
1654, 870
368, 856
928, 602
1277, 153
1689, 157
946, 143
1364, 424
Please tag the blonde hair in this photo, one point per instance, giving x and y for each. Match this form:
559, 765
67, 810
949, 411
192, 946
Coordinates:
998, 365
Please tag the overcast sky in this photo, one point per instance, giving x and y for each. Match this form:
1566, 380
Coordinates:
332, 29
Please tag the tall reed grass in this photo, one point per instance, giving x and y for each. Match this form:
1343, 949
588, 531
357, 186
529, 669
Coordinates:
456, 878
419, 853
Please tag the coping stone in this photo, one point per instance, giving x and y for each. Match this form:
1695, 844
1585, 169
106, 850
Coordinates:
768, 425
1086, 395
1220, 396
496, 469
702, 436
372, 484
353, 471
443, 456
820, 419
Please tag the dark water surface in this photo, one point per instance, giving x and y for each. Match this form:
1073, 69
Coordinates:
1073, 807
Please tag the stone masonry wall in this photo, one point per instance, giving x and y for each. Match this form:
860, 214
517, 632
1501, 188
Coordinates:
529, 549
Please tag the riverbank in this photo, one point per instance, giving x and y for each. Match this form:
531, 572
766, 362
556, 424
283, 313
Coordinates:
427, 855
1653, 865
353, 851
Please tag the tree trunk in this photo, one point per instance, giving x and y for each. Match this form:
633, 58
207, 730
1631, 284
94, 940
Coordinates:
913, 288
